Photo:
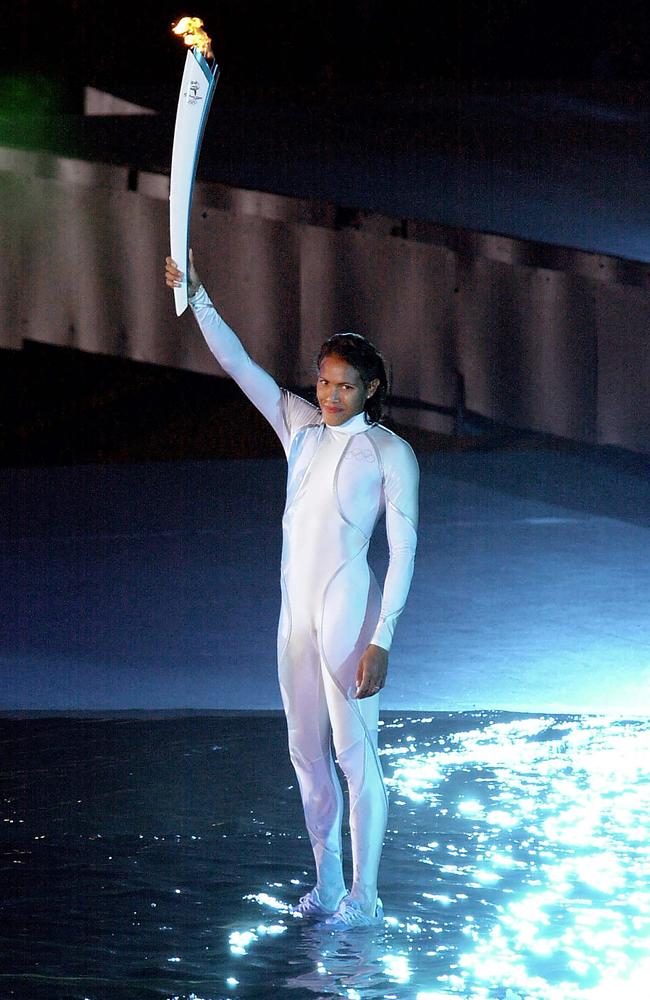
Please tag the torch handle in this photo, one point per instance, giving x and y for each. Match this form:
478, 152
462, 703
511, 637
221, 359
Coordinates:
195, 98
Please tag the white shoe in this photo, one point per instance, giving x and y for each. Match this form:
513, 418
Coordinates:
349, 916
311, 905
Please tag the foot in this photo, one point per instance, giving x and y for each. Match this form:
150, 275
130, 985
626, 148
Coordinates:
311, 905
350, 916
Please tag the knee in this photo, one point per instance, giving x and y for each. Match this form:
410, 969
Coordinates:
352, 762
296, 755
361, 767
319, 788
306, 757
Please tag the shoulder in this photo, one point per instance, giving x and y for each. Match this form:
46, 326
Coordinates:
299, 412
394, 449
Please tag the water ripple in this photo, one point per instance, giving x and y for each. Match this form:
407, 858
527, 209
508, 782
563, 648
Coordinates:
516, 867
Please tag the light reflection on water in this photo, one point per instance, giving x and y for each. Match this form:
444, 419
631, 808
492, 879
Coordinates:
150, 860
531, 840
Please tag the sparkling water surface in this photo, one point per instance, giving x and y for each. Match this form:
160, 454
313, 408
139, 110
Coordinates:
158, 858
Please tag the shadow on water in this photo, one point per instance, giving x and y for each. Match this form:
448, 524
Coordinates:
158, 858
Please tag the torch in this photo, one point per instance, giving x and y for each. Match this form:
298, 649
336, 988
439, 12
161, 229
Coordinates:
197, 87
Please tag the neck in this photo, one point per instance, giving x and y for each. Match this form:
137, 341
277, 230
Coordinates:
355, 425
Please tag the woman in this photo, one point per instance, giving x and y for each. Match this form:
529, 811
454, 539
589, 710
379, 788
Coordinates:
336, 627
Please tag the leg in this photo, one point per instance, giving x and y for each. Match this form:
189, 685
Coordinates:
310, 750
355, 727
355, 739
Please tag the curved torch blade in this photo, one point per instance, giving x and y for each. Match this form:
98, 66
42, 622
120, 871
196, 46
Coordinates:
197, 88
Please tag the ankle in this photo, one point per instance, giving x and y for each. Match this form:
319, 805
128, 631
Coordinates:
366, 900
330, 896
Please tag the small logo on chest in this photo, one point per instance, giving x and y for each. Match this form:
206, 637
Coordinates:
355, 453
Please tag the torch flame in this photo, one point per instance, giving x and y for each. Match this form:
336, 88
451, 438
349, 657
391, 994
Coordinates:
191, 29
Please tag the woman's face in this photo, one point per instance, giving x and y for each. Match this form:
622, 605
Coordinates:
341, 391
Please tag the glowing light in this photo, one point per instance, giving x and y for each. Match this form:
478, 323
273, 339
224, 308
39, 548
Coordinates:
272, 929
190, 29
487, 877
264, 899
564, 809
470, 807
397, 967
240, 941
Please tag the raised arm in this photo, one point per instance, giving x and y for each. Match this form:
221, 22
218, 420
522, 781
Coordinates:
280, 408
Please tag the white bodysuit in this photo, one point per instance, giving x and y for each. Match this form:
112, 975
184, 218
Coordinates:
340, 480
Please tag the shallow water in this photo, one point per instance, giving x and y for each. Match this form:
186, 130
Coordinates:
157, 858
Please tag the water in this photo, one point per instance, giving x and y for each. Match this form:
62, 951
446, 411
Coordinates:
157, 858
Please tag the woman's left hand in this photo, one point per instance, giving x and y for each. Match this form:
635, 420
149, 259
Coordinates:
371, 672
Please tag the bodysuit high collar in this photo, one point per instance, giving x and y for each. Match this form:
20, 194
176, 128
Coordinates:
355, 425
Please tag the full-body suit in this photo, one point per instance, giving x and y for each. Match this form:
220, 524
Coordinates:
340, 480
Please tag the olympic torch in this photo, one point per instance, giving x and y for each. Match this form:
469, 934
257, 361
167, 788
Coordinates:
197, 87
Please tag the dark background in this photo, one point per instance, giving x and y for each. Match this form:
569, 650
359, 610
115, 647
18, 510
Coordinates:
332, 64
304, 44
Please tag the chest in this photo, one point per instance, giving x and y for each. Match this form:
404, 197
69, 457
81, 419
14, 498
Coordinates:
339, 471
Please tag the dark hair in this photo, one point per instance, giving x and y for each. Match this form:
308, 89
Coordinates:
364, 356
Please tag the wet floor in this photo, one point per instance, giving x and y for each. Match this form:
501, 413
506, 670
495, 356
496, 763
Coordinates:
149, 857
